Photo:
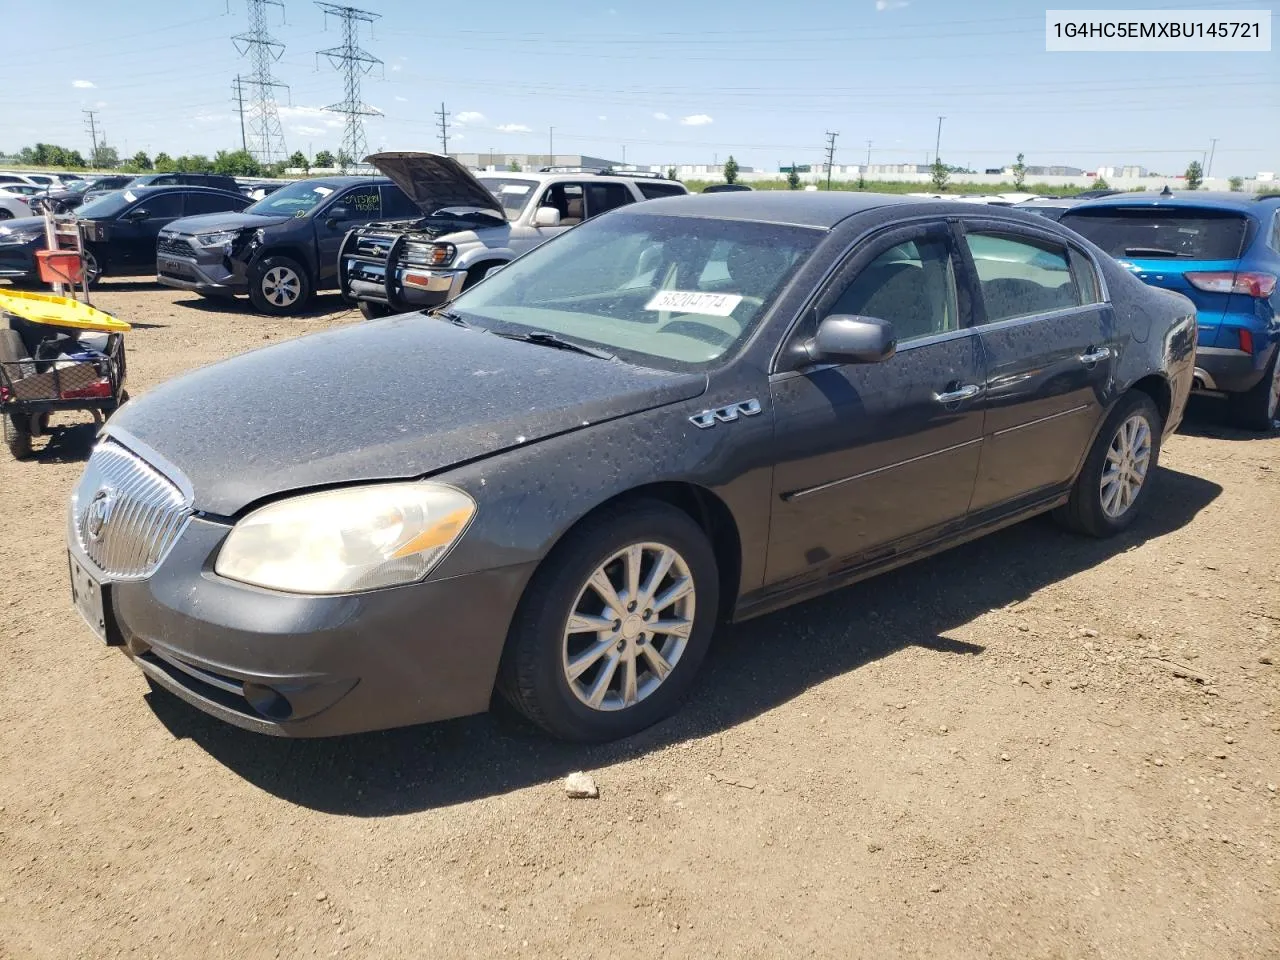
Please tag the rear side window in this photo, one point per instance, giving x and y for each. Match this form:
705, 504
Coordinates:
198, 203
652, 189
1021, 276
162, 206
1153, 233
396, 206
606, 196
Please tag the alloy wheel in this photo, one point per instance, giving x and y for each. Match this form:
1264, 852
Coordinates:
281, 286
629, 626
1125, 470
91, 268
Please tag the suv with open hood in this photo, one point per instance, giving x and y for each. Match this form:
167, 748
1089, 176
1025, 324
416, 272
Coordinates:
470, 225
281, 249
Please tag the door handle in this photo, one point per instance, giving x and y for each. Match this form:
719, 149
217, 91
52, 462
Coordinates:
1094, 355
967, 392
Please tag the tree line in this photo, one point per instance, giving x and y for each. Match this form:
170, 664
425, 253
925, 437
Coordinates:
232, 163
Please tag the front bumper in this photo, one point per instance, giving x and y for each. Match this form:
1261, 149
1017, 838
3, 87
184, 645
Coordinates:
411, 288
313, 666
1226, 370
18, 260
221, 276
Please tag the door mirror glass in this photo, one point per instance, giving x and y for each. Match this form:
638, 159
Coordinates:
852, 339
546, 217
338, 213
137, 213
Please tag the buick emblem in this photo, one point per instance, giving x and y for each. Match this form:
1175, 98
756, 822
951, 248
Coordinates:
95, 517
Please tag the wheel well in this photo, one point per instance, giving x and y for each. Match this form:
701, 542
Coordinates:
476, 272
710, 513
293, 253
1157, 388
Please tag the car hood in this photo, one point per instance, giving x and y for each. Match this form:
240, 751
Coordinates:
230, 220
393, 399
20, 225
434, 182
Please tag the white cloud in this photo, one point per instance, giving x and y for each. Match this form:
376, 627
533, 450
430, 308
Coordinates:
883, 5
697, 120
396, 68
469, 116
660, 116
602, 117
402, 99
83, 84
307, 131
309, 121
513, 128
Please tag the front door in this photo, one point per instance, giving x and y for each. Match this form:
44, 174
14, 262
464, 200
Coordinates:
133, 236
1051, 350
873, 457
359, 205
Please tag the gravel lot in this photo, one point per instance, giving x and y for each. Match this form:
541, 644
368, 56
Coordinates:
1034, 746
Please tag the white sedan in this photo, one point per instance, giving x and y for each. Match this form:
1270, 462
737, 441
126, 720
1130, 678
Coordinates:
15, 199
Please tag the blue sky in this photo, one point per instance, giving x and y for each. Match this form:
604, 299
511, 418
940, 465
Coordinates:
673, 83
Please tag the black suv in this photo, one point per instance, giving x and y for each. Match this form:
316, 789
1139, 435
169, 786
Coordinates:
283, 248
119, 230
215, 180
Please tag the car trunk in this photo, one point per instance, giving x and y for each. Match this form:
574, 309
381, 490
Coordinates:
1161, 246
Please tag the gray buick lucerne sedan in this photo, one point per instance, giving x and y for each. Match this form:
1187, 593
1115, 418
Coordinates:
683, 413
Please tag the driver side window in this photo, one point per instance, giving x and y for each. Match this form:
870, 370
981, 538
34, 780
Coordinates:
912, 285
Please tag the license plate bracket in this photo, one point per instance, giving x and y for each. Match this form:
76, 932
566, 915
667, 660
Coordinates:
92, 599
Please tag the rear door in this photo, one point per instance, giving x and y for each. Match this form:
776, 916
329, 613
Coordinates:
1051, 349
1168, 246
602, 197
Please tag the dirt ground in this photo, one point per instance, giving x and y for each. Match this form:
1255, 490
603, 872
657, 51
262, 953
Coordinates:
1034, 746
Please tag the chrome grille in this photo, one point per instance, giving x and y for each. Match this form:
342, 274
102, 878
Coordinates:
374, 245
126, 514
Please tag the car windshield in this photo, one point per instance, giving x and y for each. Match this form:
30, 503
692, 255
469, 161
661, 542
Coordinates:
295, 200
1154, 233
108, 205
512, 194
668, 292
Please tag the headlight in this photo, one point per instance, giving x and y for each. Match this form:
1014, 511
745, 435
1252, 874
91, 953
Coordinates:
429, 254
13, 236
343, 541
215, 239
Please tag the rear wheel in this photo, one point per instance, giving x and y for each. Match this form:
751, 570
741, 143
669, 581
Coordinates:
1109, 491
5, 214
93, 267
614, 624
1258, 409
279, 286
17, 428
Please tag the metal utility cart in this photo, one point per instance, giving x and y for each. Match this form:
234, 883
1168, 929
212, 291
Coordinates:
56, 354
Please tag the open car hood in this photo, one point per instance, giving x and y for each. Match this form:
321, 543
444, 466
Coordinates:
433, 181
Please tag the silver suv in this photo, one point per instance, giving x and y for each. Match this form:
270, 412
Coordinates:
470, 225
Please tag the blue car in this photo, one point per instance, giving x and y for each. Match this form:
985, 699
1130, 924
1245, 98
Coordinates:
1222, 250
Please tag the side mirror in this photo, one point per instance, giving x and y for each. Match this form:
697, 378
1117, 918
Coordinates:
850, 339
546, 217
137, 213
337, 214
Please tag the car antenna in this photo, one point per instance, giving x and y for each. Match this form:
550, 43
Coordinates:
1166, 192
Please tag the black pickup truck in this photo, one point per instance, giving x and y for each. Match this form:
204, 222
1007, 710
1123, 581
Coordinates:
280, 250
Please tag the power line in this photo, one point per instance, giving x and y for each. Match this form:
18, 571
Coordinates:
92, 122
354, 63
831, 154
444, 129
239, 97
262, 50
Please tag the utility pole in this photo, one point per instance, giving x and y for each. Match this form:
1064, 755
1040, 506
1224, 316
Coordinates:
868, 153
1213, 146
831, 154
92, 122
239, 89
551, 147
444, 129
262, 50
937, 144
624, 154
354, 64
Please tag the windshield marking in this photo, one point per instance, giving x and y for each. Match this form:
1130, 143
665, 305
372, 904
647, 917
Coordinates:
691, 301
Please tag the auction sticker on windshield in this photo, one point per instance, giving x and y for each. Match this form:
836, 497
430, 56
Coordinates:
692, 301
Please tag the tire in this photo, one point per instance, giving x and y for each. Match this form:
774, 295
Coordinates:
1258, 408
534, 673
7, 214
1100, 511
374, 311
17, 432
279, 286
94, 267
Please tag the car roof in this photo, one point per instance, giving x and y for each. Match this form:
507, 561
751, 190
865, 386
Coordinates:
147, 191
1247, 203
802, 208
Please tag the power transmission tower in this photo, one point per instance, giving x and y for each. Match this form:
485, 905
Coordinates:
354, 64
238, 87
831, 154
444, 129
91, 122
262, 50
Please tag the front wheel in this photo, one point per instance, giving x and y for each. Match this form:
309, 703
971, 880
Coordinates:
614, 625
1257, 409
1109, 491
279, 286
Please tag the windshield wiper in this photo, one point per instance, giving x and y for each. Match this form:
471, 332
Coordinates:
542, 338
1152, 252
451, 317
